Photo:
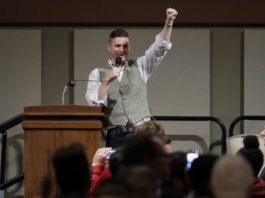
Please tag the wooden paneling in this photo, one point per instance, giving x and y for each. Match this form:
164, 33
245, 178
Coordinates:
48, 128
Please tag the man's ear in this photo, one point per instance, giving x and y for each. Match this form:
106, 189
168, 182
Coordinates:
108, 47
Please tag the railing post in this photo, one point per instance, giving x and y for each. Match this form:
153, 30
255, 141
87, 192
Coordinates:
3, 157
3, 130
223, 139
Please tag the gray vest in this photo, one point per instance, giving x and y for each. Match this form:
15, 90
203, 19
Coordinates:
127, 99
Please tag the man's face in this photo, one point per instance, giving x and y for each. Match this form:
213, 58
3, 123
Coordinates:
119, 46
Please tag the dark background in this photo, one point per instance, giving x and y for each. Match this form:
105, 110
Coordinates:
136, 12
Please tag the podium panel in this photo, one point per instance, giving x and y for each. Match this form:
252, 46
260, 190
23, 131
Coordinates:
47, 128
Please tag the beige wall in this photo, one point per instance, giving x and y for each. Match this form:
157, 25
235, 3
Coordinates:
254, 78
226, 77
56, 59
20, 74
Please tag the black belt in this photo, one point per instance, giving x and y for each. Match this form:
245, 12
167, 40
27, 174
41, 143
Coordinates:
124, 129
117, 135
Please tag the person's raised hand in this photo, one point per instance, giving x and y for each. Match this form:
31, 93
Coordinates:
171, 15
100, 157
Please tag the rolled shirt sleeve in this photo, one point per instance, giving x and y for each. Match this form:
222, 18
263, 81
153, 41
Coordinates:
92, 89
153, 57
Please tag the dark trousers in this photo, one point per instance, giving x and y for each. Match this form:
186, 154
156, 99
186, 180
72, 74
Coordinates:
117, 135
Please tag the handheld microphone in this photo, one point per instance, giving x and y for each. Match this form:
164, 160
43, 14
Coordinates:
118, 61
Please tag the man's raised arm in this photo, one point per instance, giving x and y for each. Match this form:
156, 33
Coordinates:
167, 29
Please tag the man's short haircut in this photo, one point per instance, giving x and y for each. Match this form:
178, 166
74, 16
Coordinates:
118, 33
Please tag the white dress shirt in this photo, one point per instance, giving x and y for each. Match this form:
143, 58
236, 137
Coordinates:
146, 65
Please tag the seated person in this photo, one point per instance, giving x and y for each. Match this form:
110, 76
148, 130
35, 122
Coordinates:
232, 177
254, 156
200, 175
72, 171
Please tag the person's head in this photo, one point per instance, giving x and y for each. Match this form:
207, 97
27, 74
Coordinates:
178, 175
155, 127
142, 180
112, 188
71, 168
119, 45
232, 177
147, 149
151, 127
252, 153
200, 174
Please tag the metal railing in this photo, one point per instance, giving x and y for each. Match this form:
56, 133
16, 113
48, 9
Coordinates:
242, 118
19, 118
198, 118
3, 130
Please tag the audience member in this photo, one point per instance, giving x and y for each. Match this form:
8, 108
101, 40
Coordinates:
252, 153
72, 171
178, 172
155, 127
100, 167
101, 172
150, 126
111, 188
254, 156
232, 177
142, 180
106, 164
148, 149
200, 175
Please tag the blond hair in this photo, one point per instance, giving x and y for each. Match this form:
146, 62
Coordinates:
153, 127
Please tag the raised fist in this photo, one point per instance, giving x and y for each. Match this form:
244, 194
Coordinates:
171, 15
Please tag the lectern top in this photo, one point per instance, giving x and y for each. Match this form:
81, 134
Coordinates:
62, 110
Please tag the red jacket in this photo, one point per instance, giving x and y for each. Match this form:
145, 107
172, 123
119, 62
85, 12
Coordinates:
98, 174
258, 190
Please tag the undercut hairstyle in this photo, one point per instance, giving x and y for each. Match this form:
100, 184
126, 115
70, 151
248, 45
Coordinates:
118, 33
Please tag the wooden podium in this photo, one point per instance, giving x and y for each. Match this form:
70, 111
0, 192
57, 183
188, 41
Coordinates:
47, 128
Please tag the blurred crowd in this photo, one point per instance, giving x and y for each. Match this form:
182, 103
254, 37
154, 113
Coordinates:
146, 166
